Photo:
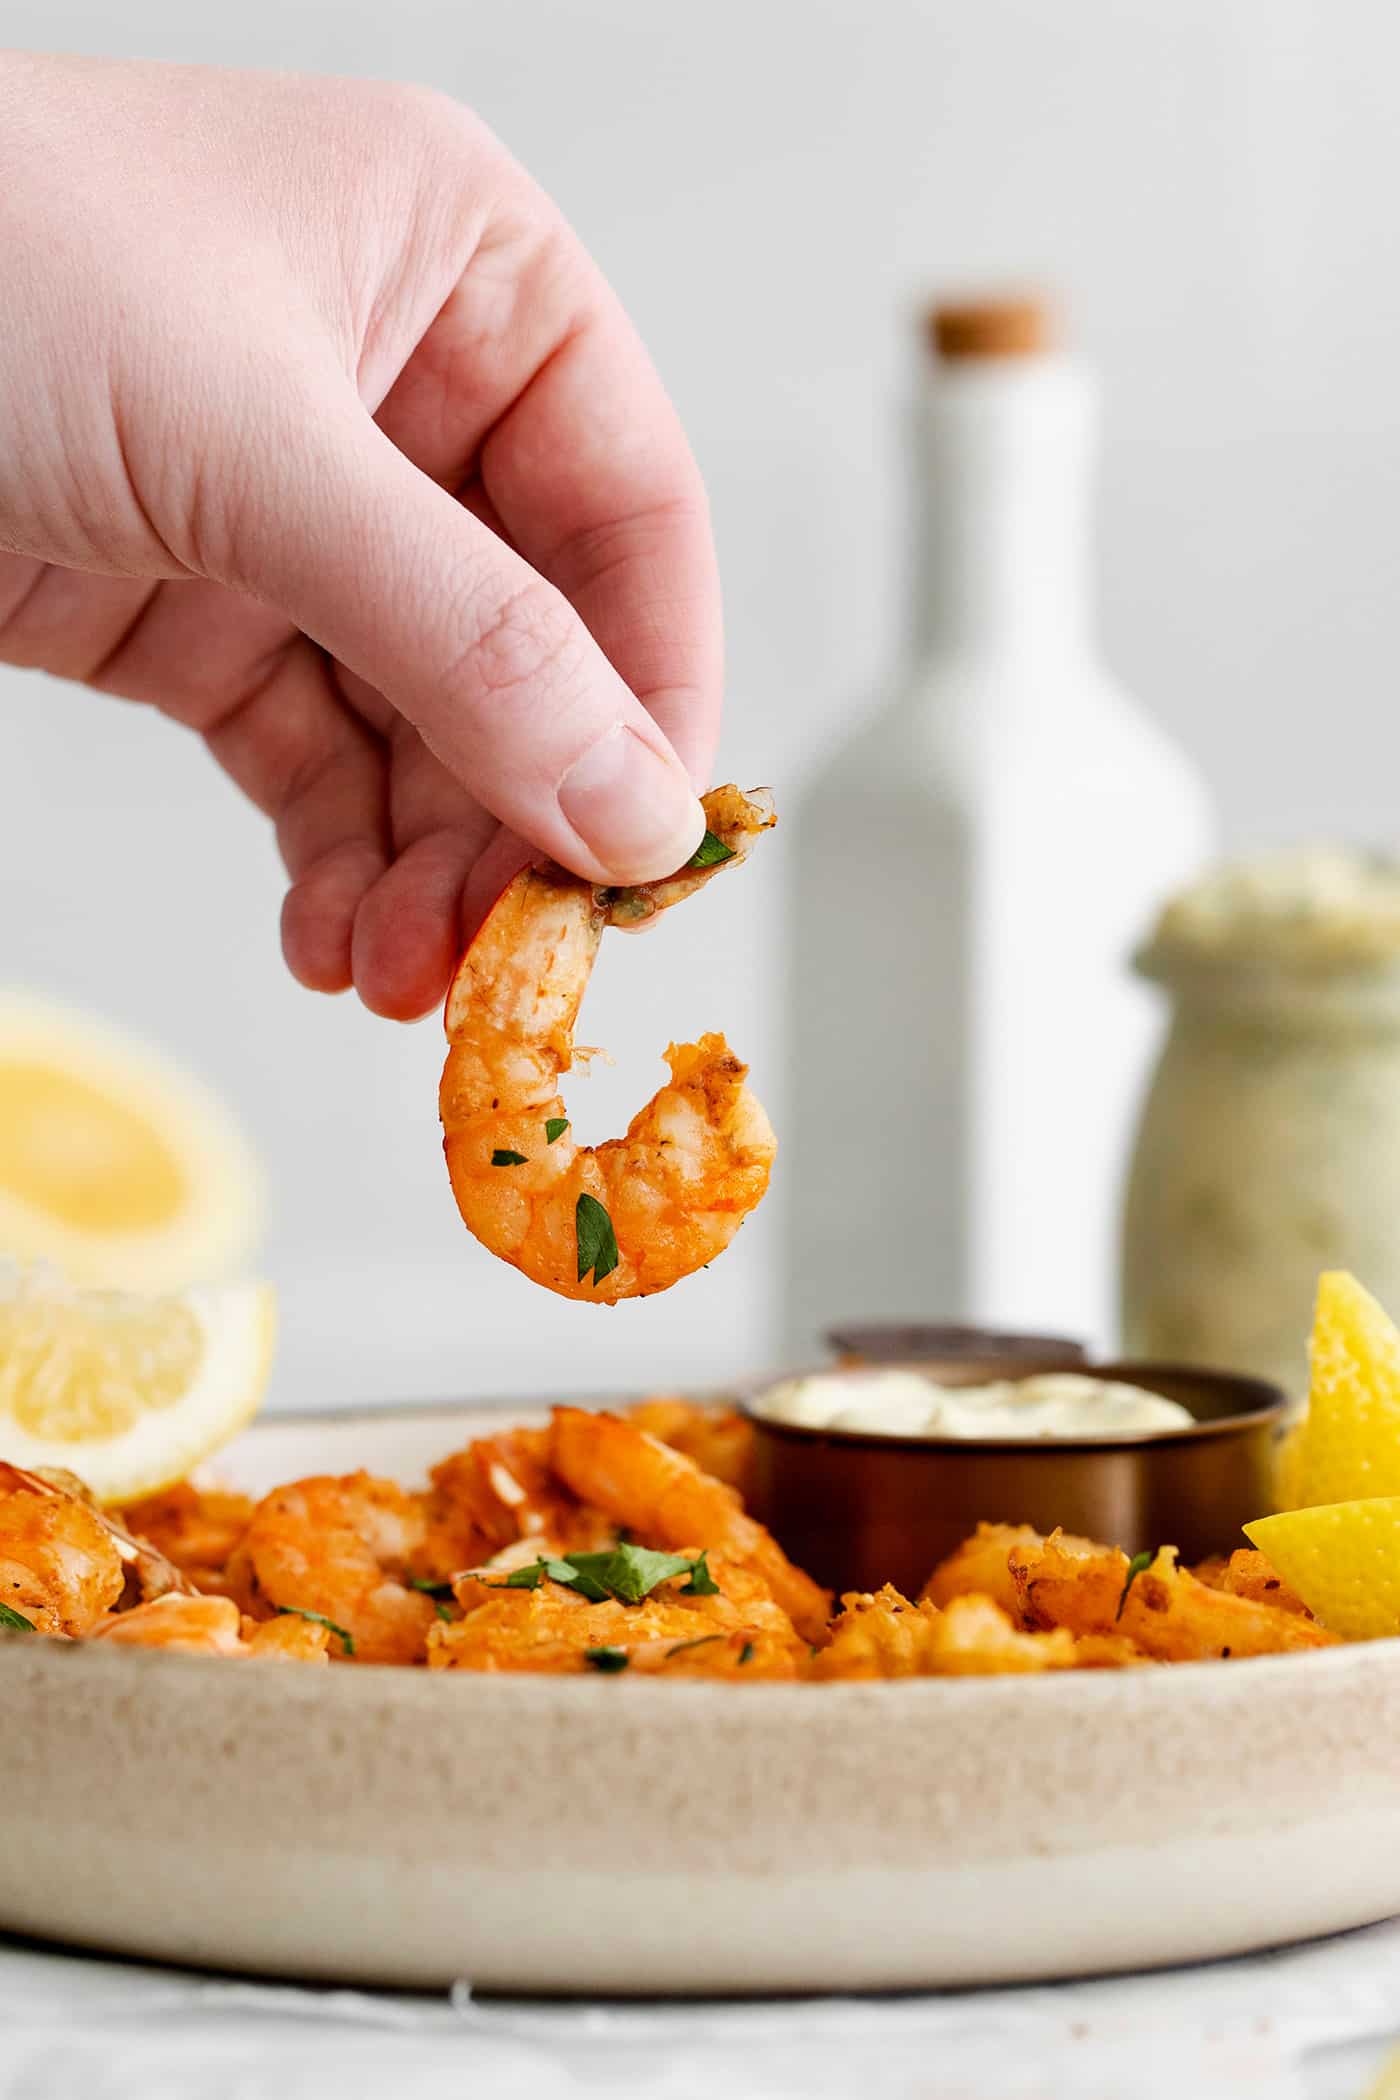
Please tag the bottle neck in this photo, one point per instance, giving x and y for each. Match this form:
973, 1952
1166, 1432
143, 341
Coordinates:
1007, 486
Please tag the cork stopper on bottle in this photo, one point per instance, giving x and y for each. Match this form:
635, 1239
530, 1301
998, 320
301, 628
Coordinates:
1009, 327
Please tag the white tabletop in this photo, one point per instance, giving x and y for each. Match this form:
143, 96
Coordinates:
1308, 2023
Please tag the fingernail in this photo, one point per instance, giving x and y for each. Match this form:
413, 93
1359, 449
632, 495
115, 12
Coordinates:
634, 809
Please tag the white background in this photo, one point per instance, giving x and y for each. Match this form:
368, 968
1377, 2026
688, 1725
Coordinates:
774, 187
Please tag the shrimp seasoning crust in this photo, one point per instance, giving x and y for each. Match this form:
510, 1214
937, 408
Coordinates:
634, 1215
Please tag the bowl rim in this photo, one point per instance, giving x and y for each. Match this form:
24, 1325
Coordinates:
1270, 1405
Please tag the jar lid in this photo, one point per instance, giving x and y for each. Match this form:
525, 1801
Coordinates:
1316, 908
994, 327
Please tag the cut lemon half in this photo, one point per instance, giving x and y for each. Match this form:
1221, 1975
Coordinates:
1347, 1447
116, 1165
128, 1393
1343, 1560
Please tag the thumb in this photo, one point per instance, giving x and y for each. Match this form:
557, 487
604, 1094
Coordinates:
490, 662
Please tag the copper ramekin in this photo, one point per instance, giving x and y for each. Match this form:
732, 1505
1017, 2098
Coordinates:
857, 1509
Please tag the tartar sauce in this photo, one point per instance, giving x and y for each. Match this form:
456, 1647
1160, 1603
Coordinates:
1054, 1404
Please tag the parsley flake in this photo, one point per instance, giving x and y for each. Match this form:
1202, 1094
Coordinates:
710, 853
429, 1586
531, 1576
12, 1621
701, 1641
554, 1127
505, 1158
606, 1659
702, 1583
1136, 1566
444, 1611
317, 1618
629, 1573
624, 1572
746, 1652
597, 1242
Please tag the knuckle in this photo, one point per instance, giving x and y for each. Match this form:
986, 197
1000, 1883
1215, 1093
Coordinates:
526, 645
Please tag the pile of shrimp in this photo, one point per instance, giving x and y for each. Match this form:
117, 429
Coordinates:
596, 1543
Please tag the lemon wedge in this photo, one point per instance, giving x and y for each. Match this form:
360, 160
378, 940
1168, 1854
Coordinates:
114, 1164
1347, 1446
128, 1393
1343, 1560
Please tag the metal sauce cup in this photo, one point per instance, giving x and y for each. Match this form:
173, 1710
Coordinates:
923, 1342
857, 1509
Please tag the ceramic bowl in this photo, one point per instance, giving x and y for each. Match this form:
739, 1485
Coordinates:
405, 1828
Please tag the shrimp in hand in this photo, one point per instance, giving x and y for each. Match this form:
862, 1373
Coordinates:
634, 1215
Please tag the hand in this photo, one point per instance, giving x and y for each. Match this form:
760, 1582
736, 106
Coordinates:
320, 433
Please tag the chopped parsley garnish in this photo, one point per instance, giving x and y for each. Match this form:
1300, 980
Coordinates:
503, 1158
606, 1659
701, 1641
531, 1576
554, 1127
710, 853
1139, 1563
444, 1611
430, 1587
597, 1242
624, 1572
12, 1621
702, 1583
629, 1573
746, 1652
295, 1611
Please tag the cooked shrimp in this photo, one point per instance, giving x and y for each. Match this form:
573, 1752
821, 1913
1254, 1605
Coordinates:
289, 1638
737, 1631
1164, 1610
213, 1626
979, 1566
60, 1567
631, 1216
1249, 1573
665, 1500
196, 1529
718, 1438
341, 1549
886, 1636
148, 1573
186, 1625
496, 1491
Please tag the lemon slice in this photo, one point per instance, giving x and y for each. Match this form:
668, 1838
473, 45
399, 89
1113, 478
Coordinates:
128, 1393
115, 1164
1343, 1560
1347, 1446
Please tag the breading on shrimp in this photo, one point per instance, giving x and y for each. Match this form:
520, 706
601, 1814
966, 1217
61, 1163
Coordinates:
634, 1215
980, 1566
1163, 1609
884, 1635
664, 1499
733, 1630
1249, 1573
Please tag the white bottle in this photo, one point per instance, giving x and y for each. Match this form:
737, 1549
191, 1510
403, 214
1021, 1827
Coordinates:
972, 871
